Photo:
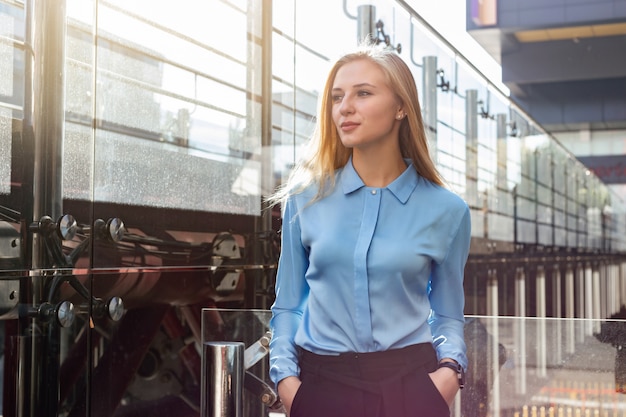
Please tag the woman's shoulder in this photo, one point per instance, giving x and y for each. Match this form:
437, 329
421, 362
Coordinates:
314, 189
443, 195
302, 196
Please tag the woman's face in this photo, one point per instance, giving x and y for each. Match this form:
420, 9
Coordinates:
364, 108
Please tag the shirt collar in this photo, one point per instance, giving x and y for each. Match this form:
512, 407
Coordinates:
401, 187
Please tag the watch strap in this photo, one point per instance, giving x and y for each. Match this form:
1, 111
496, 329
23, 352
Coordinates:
456, 368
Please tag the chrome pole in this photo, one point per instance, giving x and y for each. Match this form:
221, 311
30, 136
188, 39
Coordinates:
520, 331
366, 29
471, 138
429, 102
222, 379
43, 131
541, 336
570, 310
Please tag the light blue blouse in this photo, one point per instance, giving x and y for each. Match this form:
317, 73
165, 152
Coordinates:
369, 269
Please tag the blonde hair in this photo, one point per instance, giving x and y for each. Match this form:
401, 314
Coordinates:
326, 153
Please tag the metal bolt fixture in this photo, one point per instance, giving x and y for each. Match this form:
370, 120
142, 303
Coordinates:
112, 230
116, 229
115, 308
265, 339
65, 228
63, 313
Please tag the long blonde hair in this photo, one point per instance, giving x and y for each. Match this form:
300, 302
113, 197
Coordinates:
326, 153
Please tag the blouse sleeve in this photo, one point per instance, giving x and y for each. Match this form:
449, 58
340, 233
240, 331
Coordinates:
447, 296
291, 295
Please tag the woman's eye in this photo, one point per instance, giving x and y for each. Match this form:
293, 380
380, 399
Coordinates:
337, 98
364, 93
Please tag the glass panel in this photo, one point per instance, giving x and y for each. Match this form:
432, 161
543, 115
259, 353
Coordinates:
505, 203
478, 223
544, 195
472, 197
559, 218
157, 106
11, 86
517, 366
526, 231
559, 199
501, 227
513, 166
560, 237
544, 165
250, 327
544, 235
526, 208
542, 366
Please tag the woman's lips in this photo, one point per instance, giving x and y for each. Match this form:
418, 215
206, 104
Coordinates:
349, 126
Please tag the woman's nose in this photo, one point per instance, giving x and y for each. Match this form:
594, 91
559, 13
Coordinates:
346, 107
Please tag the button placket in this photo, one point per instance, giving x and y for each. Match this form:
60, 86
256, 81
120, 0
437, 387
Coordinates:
361, 284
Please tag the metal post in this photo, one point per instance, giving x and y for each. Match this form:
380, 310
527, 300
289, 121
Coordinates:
612, 290
494, 348
366, 26
597, 298
581, 290
615, 288
570, 344
589, 298
429, 102
471, 138
557, 308
540, 282
222, 379
520, 330
259, 121
471, 116
492, 293
43, 131
44, 107
501, 152
622, 281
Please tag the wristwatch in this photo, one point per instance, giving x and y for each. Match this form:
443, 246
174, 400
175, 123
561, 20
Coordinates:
456, 368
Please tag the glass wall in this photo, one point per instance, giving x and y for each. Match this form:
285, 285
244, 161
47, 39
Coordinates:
517, 366
173, 105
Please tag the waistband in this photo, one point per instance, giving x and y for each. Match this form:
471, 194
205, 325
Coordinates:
374, 372
421, 355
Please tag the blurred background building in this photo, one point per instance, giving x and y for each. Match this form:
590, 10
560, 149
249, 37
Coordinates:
564, 62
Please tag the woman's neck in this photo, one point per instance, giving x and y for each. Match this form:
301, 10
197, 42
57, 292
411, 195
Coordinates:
378, 169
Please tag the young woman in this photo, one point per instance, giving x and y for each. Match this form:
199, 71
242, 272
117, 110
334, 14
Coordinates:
368, 317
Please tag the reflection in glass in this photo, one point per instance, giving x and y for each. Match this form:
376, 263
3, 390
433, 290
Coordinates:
172, 131
517, 366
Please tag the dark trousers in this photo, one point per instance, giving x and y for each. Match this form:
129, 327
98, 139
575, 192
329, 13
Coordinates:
393, 383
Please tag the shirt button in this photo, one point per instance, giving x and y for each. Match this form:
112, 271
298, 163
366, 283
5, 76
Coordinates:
373, 192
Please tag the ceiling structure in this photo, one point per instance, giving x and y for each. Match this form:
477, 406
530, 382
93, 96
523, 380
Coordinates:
564, 61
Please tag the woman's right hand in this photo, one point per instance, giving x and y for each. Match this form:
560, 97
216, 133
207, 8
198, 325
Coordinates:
287, 389
446, 381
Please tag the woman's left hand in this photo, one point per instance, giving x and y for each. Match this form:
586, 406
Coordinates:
446, 381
